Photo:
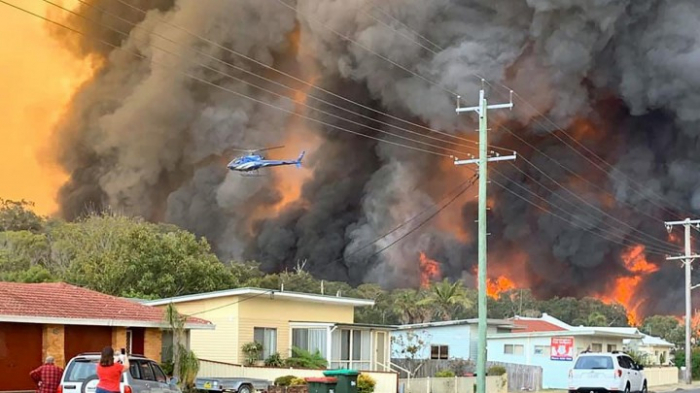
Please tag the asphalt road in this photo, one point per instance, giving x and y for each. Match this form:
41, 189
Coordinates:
695, 390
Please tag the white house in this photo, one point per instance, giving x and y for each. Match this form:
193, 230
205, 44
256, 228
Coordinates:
553, 345
443, 340
657, 350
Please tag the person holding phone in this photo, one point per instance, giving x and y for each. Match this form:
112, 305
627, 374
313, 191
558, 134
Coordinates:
109, 370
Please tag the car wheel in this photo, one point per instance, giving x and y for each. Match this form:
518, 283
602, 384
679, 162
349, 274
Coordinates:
245, 389
627, 388
92, 380
644, 388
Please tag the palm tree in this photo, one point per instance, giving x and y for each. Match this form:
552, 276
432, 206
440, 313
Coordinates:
412, 306
449, 298
185, 363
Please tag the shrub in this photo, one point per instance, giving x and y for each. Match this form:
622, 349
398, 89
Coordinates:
285, 380
444, 374
365, 384
297, 381
252, 352
495, 371
275, 360
304, 359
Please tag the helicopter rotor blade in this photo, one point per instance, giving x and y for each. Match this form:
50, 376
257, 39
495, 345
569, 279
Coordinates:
270, 148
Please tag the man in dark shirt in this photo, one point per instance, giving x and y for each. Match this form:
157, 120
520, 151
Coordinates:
47, 376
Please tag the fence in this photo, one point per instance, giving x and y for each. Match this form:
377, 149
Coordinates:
520, 377
451, 385
387, 382
659, 376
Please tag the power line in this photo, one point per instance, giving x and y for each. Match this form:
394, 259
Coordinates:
571, 172
236, 53
471, 183
650, 238
341, 35
194, 77
229, 64
570, 221
613, 170
542, 116
375, 241
261, 88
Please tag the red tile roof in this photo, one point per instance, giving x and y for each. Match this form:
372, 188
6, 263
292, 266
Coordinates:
60, 301
530, 325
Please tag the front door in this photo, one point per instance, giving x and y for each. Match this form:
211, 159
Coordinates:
380, 355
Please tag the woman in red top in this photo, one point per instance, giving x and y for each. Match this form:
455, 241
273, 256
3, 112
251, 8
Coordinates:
109, 372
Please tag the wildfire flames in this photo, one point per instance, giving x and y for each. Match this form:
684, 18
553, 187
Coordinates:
429, 270
494, 288
625, 291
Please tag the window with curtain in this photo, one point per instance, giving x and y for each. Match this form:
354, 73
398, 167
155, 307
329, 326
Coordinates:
351, 349
268, 338
311, 339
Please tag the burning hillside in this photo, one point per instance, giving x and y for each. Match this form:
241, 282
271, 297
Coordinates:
579, 213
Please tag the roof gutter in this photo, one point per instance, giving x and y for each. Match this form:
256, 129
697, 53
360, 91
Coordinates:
100, 322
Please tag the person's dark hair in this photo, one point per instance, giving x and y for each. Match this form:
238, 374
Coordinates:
107, 358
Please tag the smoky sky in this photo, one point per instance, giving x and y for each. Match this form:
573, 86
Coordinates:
144, 138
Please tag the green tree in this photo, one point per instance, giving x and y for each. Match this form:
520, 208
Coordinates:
412, 306
18, 216
666, 327
449, 298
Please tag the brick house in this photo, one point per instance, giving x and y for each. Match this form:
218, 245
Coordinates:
61, 320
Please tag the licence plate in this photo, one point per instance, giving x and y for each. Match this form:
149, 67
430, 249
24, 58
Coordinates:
207, 385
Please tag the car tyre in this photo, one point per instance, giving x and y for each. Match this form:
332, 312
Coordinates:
86, 381
245, 389
627, 388
644, 388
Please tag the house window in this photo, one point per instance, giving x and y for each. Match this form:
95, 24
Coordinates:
268, 338
438, 352
351, 349
542, 350
612, 347
311, 340
513, 349
597, 348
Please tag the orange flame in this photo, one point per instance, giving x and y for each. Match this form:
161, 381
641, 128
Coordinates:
494, 288
429, 270
626, 288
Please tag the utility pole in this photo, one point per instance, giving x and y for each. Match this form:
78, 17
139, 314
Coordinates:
687, 260
482, 161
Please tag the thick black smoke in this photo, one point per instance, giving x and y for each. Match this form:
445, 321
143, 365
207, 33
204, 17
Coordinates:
152, 142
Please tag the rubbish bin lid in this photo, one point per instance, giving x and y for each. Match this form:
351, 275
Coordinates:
341, 371
322, 379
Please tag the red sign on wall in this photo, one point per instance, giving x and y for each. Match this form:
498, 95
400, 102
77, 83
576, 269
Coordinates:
562, 348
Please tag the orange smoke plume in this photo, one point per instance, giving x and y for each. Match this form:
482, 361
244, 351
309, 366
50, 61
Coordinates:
626, 288
38, 78
429, 270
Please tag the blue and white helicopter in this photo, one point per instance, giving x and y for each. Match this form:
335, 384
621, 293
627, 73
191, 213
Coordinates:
252, 161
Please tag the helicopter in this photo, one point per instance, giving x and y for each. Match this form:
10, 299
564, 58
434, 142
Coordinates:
253, 161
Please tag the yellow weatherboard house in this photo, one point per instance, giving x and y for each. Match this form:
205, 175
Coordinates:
280, 320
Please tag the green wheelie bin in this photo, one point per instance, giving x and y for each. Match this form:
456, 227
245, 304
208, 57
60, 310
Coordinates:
347, 380
322, 385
